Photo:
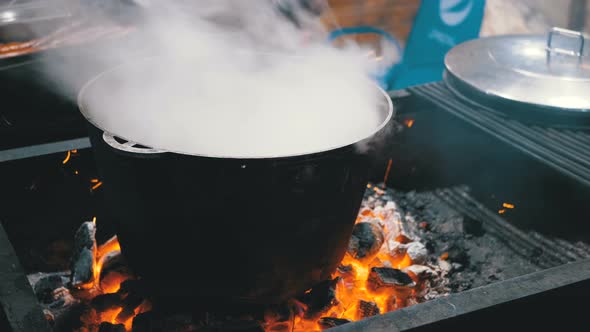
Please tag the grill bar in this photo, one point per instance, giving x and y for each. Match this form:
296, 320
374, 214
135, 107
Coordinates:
562, 149
512, 237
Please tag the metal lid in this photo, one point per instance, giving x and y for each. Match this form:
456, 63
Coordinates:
28, 11
550, 73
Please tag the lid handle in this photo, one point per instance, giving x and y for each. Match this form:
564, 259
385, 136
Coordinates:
566, 33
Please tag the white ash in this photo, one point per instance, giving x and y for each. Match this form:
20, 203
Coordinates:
379, 207
417, 252
420, 270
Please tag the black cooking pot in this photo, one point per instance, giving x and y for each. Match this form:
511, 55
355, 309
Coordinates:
231, 230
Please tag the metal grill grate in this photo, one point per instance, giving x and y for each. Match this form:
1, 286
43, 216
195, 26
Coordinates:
565, 150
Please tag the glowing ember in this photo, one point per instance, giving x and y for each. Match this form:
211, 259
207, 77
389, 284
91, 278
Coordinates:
96, 186
508, 205
388, 281
501, 211
409, 123
385, 268
387, 171
108, 283
68, 156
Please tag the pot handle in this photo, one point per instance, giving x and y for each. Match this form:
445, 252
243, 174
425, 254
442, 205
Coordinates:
566, 33
128, 146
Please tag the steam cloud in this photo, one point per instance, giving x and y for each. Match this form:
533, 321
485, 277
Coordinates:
234, 79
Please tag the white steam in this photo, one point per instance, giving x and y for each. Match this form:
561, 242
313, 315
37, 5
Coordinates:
236, 79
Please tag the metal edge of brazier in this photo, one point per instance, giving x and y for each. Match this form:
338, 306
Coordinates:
17, 300
468, 302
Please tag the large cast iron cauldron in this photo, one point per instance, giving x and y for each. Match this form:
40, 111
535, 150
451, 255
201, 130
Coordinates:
231, 230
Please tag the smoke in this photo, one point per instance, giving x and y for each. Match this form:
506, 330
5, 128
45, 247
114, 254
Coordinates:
232, 78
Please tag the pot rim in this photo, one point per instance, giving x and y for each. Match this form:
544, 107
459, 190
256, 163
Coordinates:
366, 138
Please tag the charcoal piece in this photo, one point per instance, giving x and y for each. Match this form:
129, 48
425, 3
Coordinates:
381, 278
346, 272
460, 286
444, 265
320, 298
133, 300
108, 327
367, 309
367, 238
61, 298
420, 271
473, 226
83, 255
330, 322
132, 286
391, 303
457, 267
44, 284
279, 319
345, 269
417, 252
82, 268
106, 301
278, 313
403, 239
74, 318
129, 303
85, 236
430, 245
397, 249
458, 254
424, 225
114, 262
124, 315
49, 316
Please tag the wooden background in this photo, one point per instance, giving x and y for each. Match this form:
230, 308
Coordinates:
393, 16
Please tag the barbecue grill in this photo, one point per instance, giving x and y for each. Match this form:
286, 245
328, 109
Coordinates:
521, 186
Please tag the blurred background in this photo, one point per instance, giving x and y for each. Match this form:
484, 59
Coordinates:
409, 38
500, 16
393, 16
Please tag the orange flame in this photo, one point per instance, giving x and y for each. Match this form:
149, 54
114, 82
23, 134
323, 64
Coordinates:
354, 283
508, 205
96, 186
109, 246
353, 287
409, 123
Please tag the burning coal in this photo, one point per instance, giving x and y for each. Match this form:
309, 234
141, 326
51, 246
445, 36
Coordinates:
386, 268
